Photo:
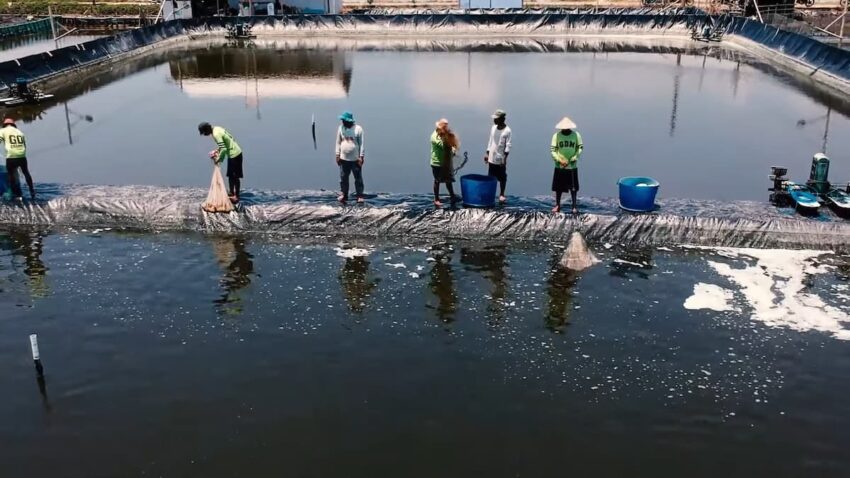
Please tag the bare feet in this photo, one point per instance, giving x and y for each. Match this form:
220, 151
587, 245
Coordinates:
502, 199
575, 211
234, 199
556, 209
342, 199
437, 203
360, 199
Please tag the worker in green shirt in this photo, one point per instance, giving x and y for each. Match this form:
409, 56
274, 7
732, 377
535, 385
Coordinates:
226, 148
444, 146
566, 149
16, 157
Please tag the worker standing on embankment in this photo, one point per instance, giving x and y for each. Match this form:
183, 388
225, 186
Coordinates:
16, 157
498, 149
444, 146
227, 148
350, 155
566, 149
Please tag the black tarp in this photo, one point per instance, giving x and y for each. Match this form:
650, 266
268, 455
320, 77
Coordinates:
818, 56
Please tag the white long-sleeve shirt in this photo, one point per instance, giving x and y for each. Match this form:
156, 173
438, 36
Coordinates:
349, 143
499, 144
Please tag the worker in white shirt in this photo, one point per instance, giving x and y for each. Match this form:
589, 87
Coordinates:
350, 155
498, 149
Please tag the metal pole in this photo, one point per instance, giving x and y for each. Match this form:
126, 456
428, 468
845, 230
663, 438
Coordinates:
53, 27
826, 130
68, 122
841, 29
758, 11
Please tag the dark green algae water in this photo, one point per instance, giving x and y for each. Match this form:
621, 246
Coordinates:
193, 355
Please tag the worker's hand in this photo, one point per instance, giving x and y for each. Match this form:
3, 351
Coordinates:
213, 154
564, 163
360, 161
486, 158
338, 161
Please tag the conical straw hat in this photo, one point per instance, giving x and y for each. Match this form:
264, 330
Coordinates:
565, 123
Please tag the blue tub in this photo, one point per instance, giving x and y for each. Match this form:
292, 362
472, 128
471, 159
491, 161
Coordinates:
638, 193
478, 190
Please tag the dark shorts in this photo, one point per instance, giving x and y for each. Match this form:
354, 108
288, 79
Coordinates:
15, 163
441, 175
234, 167
498, 171
565, 180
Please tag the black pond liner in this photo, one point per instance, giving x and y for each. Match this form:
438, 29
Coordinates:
811, 53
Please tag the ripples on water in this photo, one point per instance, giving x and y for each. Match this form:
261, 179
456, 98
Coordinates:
299, 343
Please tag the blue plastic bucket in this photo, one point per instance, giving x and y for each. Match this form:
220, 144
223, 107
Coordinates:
478, 190
638, 193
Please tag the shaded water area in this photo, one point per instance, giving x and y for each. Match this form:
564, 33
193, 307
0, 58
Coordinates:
298, 337
183, 354
12, 48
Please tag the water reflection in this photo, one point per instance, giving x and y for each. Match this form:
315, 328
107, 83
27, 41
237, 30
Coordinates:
263, 73
676, 85
42, 391
560, 291
28, 245
632, 262
356, 282
442, 285
238, 266
491, 263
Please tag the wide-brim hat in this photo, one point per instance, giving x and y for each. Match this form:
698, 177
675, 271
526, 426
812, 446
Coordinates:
347, 117
442, 123
565, 123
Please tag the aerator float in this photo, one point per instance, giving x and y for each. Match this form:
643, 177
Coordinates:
20, 93
807, 199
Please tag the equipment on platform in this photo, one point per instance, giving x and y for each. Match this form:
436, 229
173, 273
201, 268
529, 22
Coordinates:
839, 201
786, 193
707, 33
804, 198
778, 195
22, 93
239, 31
478, 190
819, 175
637, 194
817, 190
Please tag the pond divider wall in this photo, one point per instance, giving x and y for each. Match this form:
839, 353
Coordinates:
819, 61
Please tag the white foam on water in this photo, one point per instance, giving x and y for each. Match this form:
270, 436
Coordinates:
352, 252
628, 263
711, 297
774, 287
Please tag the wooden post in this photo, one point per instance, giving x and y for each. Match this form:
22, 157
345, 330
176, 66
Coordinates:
841, 29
